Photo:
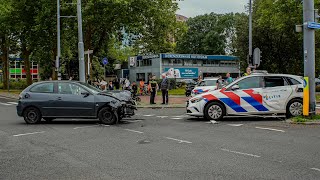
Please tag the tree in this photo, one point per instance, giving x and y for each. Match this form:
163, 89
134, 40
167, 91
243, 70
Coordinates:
207, 34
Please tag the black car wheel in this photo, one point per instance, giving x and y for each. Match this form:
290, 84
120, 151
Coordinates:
214, 111
32, 115
106, 116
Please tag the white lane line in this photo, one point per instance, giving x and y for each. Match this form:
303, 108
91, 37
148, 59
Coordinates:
28, 134
5, 104
90, 126
148, 115
15, 103
134, 131
176, 118
270, 129
316, 169
179, 140
235, 125
236, 152
162, 116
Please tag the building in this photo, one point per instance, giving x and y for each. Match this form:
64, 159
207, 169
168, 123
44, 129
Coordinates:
181, 18
17, 70
182, 66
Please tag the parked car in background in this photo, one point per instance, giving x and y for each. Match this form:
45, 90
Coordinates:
257, 94
204, 86
70, 99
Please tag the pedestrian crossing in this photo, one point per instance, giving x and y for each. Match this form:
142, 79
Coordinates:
8, 103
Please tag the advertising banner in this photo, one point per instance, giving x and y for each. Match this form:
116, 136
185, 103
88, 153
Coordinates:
186, 73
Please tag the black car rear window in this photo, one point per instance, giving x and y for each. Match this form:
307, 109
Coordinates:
42, 88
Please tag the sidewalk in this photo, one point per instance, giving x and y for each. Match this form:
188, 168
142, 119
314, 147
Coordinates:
174, 102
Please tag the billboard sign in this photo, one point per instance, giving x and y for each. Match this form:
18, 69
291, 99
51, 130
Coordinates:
182, 72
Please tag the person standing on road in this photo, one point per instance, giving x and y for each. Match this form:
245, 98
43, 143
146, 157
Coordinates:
164, 89
111, 86
116, 82
248, 72
229, 79
153, 88
219, 82
141, 86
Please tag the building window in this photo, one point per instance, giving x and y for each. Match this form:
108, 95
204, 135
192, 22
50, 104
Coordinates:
141, 76
147, 62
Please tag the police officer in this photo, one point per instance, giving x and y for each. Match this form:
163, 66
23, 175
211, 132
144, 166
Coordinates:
154, 87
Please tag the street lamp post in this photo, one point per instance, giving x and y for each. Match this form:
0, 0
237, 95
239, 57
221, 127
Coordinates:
250, 33
58, 41
80, 44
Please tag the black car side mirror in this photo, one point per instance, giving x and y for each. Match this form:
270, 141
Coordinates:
85, 94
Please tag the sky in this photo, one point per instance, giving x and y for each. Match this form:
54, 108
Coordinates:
192, 8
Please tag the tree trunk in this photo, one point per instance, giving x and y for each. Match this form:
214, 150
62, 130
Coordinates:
4, 50
25, 57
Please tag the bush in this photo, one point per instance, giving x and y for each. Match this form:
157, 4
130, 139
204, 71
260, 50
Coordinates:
1, 85
18, 84
317, 88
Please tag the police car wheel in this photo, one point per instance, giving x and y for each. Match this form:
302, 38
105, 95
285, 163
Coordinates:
294, 108
214, 111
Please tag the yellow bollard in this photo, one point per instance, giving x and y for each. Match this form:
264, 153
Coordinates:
306, 96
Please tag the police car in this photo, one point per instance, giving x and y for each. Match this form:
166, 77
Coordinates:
256, 94
204, 86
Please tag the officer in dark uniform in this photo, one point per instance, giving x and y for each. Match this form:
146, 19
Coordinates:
154, 87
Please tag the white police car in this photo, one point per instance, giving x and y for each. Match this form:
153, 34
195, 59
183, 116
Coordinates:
257, 94
204, 86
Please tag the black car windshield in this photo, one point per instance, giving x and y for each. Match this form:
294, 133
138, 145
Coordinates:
91, 88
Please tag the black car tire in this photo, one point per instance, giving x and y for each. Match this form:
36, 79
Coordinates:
48, 119
218, 111
106, 116
32, 115
294, 108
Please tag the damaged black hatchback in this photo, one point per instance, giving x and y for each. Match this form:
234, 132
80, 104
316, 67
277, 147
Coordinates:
71, 99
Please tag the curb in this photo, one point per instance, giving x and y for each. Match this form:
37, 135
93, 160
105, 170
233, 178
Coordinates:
10, 97
303, 123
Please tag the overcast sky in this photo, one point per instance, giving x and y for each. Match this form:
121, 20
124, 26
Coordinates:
192, 8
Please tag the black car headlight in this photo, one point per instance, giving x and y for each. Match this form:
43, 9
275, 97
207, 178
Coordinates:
196, 99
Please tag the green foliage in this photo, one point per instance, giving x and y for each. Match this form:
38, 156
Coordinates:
302, 119
208, 34
18, 84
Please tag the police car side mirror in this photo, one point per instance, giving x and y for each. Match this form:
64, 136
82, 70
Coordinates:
235, 87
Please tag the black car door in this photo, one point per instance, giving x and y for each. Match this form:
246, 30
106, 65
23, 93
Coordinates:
74, 101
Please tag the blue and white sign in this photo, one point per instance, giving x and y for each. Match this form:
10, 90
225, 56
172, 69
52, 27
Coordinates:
181, 72
313, 25
105, 61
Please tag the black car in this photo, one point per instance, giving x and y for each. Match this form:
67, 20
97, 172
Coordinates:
70, 99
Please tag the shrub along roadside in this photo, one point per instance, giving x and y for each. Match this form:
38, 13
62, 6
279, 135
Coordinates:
16, 84
303, 119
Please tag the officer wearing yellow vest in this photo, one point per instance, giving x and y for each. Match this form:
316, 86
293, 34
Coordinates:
154, 87
248, 72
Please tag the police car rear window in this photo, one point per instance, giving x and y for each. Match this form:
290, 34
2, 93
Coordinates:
292, 81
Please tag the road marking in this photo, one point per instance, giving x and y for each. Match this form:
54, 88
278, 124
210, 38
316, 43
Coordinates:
91, 126
162, 116
236, 152
6, 104
15, 103
149, 115
134, 131
316, 169
28, 134
235, 125
270, 129
181, 116
179, 140
176, 118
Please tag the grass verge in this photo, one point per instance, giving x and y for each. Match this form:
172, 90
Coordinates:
12, 91
303, 119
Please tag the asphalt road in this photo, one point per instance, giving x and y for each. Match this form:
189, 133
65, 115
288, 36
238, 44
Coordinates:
157, 144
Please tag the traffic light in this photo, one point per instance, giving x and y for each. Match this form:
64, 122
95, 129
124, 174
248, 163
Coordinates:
256, 57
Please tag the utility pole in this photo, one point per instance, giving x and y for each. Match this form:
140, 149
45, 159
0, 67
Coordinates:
58, 41
250, 34
309, 50
82, 77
